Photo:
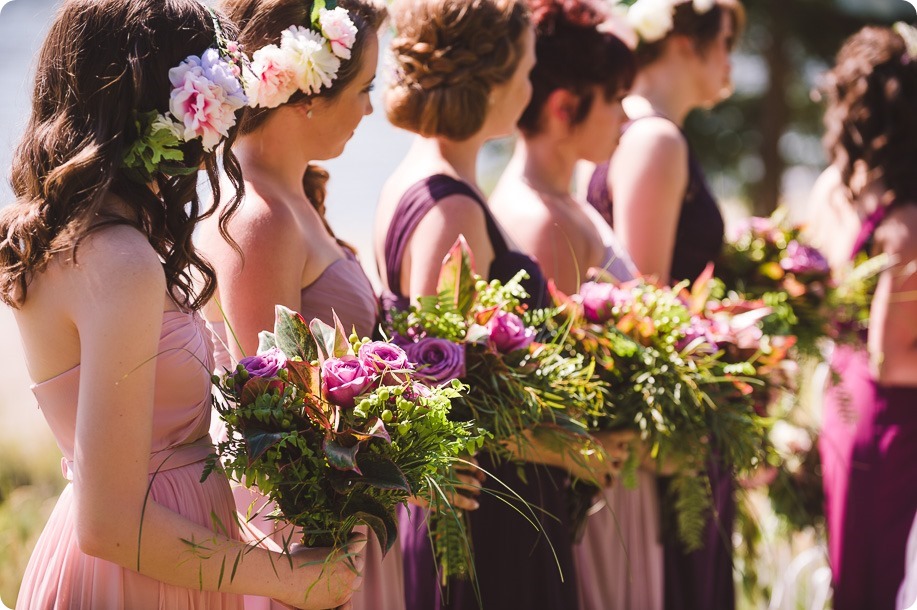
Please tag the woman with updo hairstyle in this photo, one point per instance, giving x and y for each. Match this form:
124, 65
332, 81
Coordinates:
131, 97
461, 71
281, 249
581, 75
655, 195
865, 203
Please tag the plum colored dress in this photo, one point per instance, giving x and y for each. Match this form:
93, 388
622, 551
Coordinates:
868, 448
515, 565
59, 575
344, 288
700, 579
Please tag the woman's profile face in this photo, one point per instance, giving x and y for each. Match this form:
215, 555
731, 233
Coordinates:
508, 100
715, 73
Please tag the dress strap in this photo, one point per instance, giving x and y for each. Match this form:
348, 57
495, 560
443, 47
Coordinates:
868, 229
416, 202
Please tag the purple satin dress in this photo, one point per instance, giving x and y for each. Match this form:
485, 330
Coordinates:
868, 448
701, 579
515, 565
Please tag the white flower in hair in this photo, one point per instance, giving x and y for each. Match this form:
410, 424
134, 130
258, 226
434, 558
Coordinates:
313, 62
202, 107
651, 19
701, 7
339, 30
271, 79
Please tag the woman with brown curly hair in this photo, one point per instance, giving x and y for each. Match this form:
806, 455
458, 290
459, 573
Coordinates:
461, 78
866, 203
287, 253
130, 99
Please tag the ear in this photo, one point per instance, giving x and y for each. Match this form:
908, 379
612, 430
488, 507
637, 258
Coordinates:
683, 46
561, 107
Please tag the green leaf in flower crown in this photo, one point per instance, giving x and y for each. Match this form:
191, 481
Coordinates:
317, 6
292, 334
258, 441
266, 340
456, 278
374, 514
341, 457
331, 341
381, 473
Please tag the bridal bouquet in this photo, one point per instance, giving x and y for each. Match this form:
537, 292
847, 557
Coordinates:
661, 351
336, 431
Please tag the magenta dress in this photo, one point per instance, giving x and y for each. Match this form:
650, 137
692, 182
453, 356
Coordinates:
515, 565
703, 578
59, 575
868, 448
344, 289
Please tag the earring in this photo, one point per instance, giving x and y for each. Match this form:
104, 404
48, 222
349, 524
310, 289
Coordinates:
309, 114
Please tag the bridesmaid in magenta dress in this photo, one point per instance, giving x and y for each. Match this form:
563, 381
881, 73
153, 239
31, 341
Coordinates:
97, 262
654, 194
469, 85
289, 255
866, 203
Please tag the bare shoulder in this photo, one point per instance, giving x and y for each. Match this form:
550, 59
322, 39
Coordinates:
514, 202
456, 210
262, 220
656, 135
898, 233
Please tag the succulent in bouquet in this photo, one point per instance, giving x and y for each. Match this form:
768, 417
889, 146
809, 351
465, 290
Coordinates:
336, 431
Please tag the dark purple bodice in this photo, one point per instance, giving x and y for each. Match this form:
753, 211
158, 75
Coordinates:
700, 232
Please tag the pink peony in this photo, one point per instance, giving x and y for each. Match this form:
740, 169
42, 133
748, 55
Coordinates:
339, 30
202, 107
272, 80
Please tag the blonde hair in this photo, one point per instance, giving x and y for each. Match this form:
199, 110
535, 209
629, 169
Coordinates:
449, 55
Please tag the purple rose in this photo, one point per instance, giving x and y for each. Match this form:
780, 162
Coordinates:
804, 259
599, 298
508, 333
345, 379
379, 357
438, 360
265, 364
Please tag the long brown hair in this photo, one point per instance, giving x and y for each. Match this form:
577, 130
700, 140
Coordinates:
261, 23
700, 28
870, 117
103, 62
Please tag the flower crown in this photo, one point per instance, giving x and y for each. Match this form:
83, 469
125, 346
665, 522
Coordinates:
307, 59
207, 91
909, 34
652, 20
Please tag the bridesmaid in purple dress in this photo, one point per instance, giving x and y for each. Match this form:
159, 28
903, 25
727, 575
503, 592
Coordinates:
654, 194
289, 254
461, 78
97, 261
866, 202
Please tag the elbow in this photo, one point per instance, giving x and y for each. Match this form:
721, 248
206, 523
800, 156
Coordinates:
98, 537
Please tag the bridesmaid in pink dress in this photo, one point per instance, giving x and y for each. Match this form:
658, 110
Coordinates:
289, 254
96, 261
866, 202
574, 106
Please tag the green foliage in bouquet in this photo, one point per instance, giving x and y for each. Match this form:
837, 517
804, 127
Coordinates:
336, 432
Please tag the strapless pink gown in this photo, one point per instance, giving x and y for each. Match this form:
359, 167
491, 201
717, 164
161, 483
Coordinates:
59, 575
344, 288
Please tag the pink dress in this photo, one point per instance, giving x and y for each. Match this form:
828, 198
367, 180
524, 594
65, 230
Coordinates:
619, 561
59, 575
344, 288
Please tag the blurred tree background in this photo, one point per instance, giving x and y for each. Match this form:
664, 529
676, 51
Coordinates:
764, 144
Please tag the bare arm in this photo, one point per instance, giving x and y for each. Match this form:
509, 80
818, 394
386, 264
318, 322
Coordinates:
648, 179
562, 257
436, 234
116, 301
269, 275
893, 315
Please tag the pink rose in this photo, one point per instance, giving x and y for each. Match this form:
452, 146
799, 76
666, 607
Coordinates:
339, 30
266, 364
508, 333
344, 379
599, 298
383, 358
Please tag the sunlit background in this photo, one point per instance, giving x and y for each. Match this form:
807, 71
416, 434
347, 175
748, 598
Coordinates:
760, 148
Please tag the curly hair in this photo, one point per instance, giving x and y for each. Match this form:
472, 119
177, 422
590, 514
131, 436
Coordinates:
261, 23
449, 55
870, 116
565, 32
702, 29
104, 61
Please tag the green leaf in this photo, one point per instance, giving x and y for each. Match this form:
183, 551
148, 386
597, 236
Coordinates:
382, 473
331, 341
292, 334
374, 514
317, 6
253, 388
258, 441
456, 278
266, 341
341, 457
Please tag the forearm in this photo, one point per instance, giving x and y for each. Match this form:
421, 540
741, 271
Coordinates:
581, 457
